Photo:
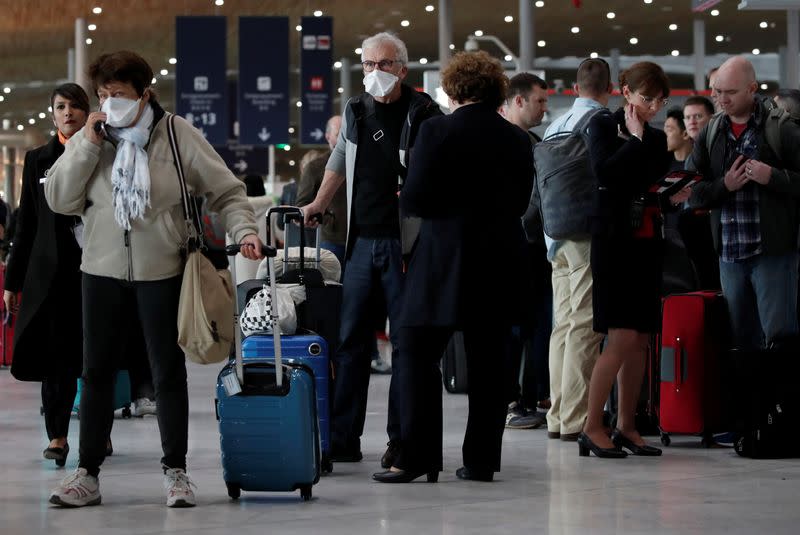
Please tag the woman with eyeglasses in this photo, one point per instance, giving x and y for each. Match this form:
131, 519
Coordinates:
628, 156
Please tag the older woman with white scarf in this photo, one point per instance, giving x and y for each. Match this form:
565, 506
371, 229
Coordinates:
119, 175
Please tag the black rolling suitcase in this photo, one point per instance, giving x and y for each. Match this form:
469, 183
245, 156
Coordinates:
454, 365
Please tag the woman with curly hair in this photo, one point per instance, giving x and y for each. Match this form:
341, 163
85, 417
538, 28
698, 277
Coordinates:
447, 283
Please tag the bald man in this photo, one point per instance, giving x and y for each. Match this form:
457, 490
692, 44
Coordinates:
753, 194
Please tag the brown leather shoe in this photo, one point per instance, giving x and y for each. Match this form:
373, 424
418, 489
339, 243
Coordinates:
570, 437
555, 435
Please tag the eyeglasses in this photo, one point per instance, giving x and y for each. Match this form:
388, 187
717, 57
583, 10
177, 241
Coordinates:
383, 64
650, 101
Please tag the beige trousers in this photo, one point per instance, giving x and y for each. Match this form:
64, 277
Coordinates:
574, 346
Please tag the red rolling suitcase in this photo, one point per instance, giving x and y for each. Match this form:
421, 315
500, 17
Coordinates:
693, 334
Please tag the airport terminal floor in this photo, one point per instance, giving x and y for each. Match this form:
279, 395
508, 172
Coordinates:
544, 487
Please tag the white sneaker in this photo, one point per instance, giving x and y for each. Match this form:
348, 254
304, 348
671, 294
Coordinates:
179, 488
77, 490
143, 406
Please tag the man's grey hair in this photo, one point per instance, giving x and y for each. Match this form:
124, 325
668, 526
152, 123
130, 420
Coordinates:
386, 37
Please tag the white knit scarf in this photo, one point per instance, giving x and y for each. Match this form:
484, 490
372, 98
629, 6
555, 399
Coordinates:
130, 176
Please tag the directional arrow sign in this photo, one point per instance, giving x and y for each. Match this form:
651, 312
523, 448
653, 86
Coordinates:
317, 134
240, 166
264, 135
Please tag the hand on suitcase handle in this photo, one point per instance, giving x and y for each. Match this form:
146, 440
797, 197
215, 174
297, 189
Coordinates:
266, 250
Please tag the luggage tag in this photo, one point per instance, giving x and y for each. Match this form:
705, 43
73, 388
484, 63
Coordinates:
231, 383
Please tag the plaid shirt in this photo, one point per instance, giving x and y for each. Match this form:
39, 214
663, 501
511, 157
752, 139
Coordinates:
740, 216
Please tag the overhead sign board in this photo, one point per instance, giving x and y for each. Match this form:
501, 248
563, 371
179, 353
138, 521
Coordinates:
702, 5
263, 80
316, 60
200, 44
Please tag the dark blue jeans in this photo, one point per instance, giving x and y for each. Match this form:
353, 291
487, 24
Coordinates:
375, 265
762, 298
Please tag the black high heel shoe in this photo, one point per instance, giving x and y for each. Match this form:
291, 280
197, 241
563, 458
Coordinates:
621, 441
405, 476
585, 445
59, 455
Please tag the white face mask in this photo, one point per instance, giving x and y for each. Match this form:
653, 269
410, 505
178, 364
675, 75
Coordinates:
121, 111
379, 83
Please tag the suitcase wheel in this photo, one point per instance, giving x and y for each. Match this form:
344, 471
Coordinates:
234, 490
126, 412
665, 440
305, 493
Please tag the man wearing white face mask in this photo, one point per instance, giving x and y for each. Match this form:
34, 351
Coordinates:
121, 179
371, 155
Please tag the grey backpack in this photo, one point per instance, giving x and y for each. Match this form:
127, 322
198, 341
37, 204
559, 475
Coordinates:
565, 184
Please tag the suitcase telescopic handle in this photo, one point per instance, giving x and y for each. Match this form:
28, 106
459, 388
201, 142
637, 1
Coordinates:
269, 252
678, 370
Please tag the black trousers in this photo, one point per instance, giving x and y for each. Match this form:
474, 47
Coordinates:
420, 385
58, 395
109, 306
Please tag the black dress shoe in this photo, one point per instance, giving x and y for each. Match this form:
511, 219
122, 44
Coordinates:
570, 437
471, 474
553, 435
585, 445
59, 455
621, 441
391, 454
405, 476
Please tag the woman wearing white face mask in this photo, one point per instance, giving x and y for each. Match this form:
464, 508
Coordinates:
122, 181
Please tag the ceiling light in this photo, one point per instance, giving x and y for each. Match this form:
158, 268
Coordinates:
575, 29
97, 10
153, 80
508, 57
763, 24
358, 50
764, 87
719, 38
509, 18
6, 90
291, 163
172, 61
42, 115
593, 55
20, 127
673, 27
610, 15
452, 46
298, 28
89, 41
291, 129
92, 27
219, 2
340, 90
423, 61
287, 148
715, 12
299, 104
648, 1
478, 33
429, 8
405, 23
31, 121
539, 4
2, 98
541, 43
756, 52
676, 53
337, 65
318, 13
49, 108
633, 40
164, 72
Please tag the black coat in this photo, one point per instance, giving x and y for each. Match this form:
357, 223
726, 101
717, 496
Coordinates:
44, 262
470, 255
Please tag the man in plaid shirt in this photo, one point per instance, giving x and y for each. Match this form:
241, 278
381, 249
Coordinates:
753, 193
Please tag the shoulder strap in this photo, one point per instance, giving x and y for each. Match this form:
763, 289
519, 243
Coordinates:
190, 214
579, 127
378, 134
772, 130
713, 128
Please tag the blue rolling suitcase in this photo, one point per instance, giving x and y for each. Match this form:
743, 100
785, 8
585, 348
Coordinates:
122, 394
310, 350
267, 413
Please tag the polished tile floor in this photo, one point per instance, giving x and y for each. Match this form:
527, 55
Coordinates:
544, 486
